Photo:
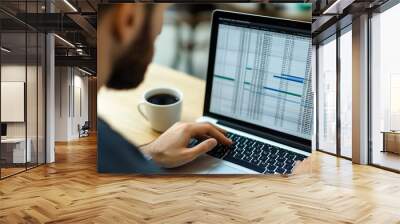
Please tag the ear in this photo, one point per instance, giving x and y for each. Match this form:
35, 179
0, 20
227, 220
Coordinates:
125, 22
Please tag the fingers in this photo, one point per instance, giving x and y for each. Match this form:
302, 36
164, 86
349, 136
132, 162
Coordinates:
202, 137
203, 147
218, 128
198, 129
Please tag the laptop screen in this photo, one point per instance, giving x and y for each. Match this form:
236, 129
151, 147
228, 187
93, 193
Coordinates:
262, 75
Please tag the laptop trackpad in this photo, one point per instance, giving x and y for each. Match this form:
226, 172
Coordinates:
206, 164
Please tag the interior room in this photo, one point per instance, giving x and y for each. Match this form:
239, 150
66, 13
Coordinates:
24, 84
50, 101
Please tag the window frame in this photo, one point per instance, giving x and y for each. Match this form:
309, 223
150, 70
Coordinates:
338, 33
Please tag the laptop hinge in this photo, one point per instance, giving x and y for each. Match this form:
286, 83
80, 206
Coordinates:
266, 136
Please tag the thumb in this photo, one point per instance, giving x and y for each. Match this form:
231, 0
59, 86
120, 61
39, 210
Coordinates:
204, 146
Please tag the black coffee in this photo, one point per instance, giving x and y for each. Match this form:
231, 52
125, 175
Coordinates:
162, 99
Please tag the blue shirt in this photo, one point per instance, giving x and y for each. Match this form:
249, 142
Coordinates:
116, 155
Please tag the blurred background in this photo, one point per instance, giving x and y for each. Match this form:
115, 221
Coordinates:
184, 41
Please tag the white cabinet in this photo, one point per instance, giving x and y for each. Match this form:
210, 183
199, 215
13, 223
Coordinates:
17, 147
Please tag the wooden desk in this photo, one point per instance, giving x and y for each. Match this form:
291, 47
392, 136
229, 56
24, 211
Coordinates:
391, 141
71, 190
119, 109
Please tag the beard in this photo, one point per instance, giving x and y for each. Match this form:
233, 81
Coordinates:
129, 69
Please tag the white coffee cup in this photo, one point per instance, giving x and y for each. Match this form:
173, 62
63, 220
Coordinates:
161, 117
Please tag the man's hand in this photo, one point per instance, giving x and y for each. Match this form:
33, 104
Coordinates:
170, 149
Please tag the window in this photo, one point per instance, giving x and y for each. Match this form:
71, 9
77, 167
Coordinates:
327, 95
335, 94
385, 89
346, 92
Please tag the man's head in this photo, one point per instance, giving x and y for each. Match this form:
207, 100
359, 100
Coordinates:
126, 35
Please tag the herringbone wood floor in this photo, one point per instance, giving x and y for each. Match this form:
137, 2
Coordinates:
71, 191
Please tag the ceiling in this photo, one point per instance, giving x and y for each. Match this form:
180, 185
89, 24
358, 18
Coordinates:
76, 22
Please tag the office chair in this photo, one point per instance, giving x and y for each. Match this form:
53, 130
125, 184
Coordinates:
84, 130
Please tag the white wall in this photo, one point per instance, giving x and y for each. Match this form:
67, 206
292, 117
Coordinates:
62, 81
81, 83
71, 102
12, 73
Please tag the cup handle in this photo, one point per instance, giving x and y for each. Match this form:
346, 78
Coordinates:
139, 107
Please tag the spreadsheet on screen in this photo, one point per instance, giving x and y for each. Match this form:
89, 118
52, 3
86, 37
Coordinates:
262, 75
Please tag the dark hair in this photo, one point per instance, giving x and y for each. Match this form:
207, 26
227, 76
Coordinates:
129, 69
103, 9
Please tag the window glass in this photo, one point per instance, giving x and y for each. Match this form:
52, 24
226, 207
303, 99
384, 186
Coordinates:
385, 89
14, 153
22, 91
346, 93
327, 96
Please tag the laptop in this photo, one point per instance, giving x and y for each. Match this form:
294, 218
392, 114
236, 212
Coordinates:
258, 90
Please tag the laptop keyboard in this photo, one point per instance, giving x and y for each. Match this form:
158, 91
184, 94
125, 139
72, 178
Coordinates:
255, 155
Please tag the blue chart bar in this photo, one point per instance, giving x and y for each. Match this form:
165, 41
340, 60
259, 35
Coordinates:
265, 87
281, 91
289, 79
294, 77
281, 98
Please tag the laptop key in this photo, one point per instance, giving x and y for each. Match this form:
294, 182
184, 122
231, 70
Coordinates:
219, 151
267, 171
238, 156
273, 156
256, 161
274, 150
259, 145
280, 170
279, 164
281, 159
301, 157
247, 158
271, 161
289, 161
239, 150
288, 167
247, 152
245, 164
271, 167
282, 153
257, 151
